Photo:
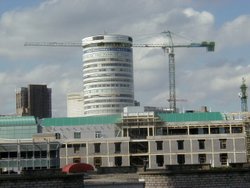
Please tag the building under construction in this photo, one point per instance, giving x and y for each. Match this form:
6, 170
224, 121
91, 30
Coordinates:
139, 138
151, 138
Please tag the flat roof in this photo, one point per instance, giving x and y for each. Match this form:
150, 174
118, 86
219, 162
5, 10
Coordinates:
113, 119
75, 121
17, 120
194, 116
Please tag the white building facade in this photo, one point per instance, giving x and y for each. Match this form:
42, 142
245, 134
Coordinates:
107, 74
75, 104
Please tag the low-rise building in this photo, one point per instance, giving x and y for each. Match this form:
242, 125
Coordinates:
20, 148
151, 139
17, 155
134, 138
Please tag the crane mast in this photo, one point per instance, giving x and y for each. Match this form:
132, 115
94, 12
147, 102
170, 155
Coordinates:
171, 70
167, 47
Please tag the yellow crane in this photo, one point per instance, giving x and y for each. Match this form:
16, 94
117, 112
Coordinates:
167, 47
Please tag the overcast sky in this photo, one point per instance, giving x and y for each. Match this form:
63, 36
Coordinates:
203, 78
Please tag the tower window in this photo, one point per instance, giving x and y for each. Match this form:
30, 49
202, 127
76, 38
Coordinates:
98, 38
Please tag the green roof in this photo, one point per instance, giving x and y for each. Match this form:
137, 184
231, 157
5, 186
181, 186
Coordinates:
75, 121
196, 116
112, 119
17, 120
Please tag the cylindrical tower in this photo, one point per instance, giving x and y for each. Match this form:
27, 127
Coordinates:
108, 84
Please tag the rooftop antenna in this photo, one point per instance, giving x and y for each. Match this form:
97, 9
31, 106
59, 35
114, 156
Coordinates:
243, 95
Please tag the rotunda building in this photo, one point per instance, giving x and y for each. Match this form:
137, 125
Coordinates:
108, 84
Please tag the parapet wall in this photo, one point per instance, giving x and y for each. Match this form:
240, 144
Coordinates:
41, 180
196, 178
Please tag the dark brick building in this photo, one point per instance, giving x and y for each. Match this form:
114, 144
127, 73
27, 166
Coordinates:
34, 100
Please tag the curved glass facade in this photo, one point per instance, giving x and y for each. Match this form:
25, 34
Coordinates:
107, 74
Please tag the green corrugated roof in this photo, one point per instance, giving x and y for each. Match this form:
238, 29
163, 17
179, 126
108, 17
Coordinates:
17, 120
112, 119
196, 116
74, 121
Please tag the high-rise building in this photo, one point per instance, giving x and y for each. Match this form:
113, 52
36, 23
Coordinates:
75, 104
35, 100
107, 74
22, 101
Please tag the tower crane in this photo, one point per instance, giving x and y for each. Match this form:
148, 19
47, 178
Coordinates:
167, 47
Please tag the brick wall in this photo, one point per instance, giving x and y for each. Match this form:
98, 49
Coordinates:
197, 178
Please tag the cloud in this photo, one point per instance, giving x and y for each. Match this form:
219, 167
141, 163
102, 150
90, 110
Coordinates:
235, 33
200, 77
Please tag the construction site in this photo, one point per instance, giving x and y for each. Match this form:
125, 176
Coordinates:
114, 132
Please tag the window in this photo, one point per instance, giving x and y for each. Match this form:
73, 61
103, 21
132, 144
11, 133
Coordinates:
159, 145
98, 38
118, 161
13, 154
37, 154
236, 129
53, 153
77, 135
223, 143
97, 147
97, 161
98, 134
160, 160
43, 154
202, 158
180, 144
201, 144
118, 147
150, 131
223, 158
125, 132
181, 159
58, 135
76, 160
83, 145
215, 130
76, 147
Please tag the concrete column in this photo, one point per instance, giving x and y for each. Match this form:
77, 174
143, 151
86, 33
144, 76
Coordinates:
66, 152
149, 154
212, 143
87, 152
191, 151
170, 151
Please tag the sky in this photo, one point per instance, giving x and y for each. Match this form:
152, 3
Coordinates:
203, 78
